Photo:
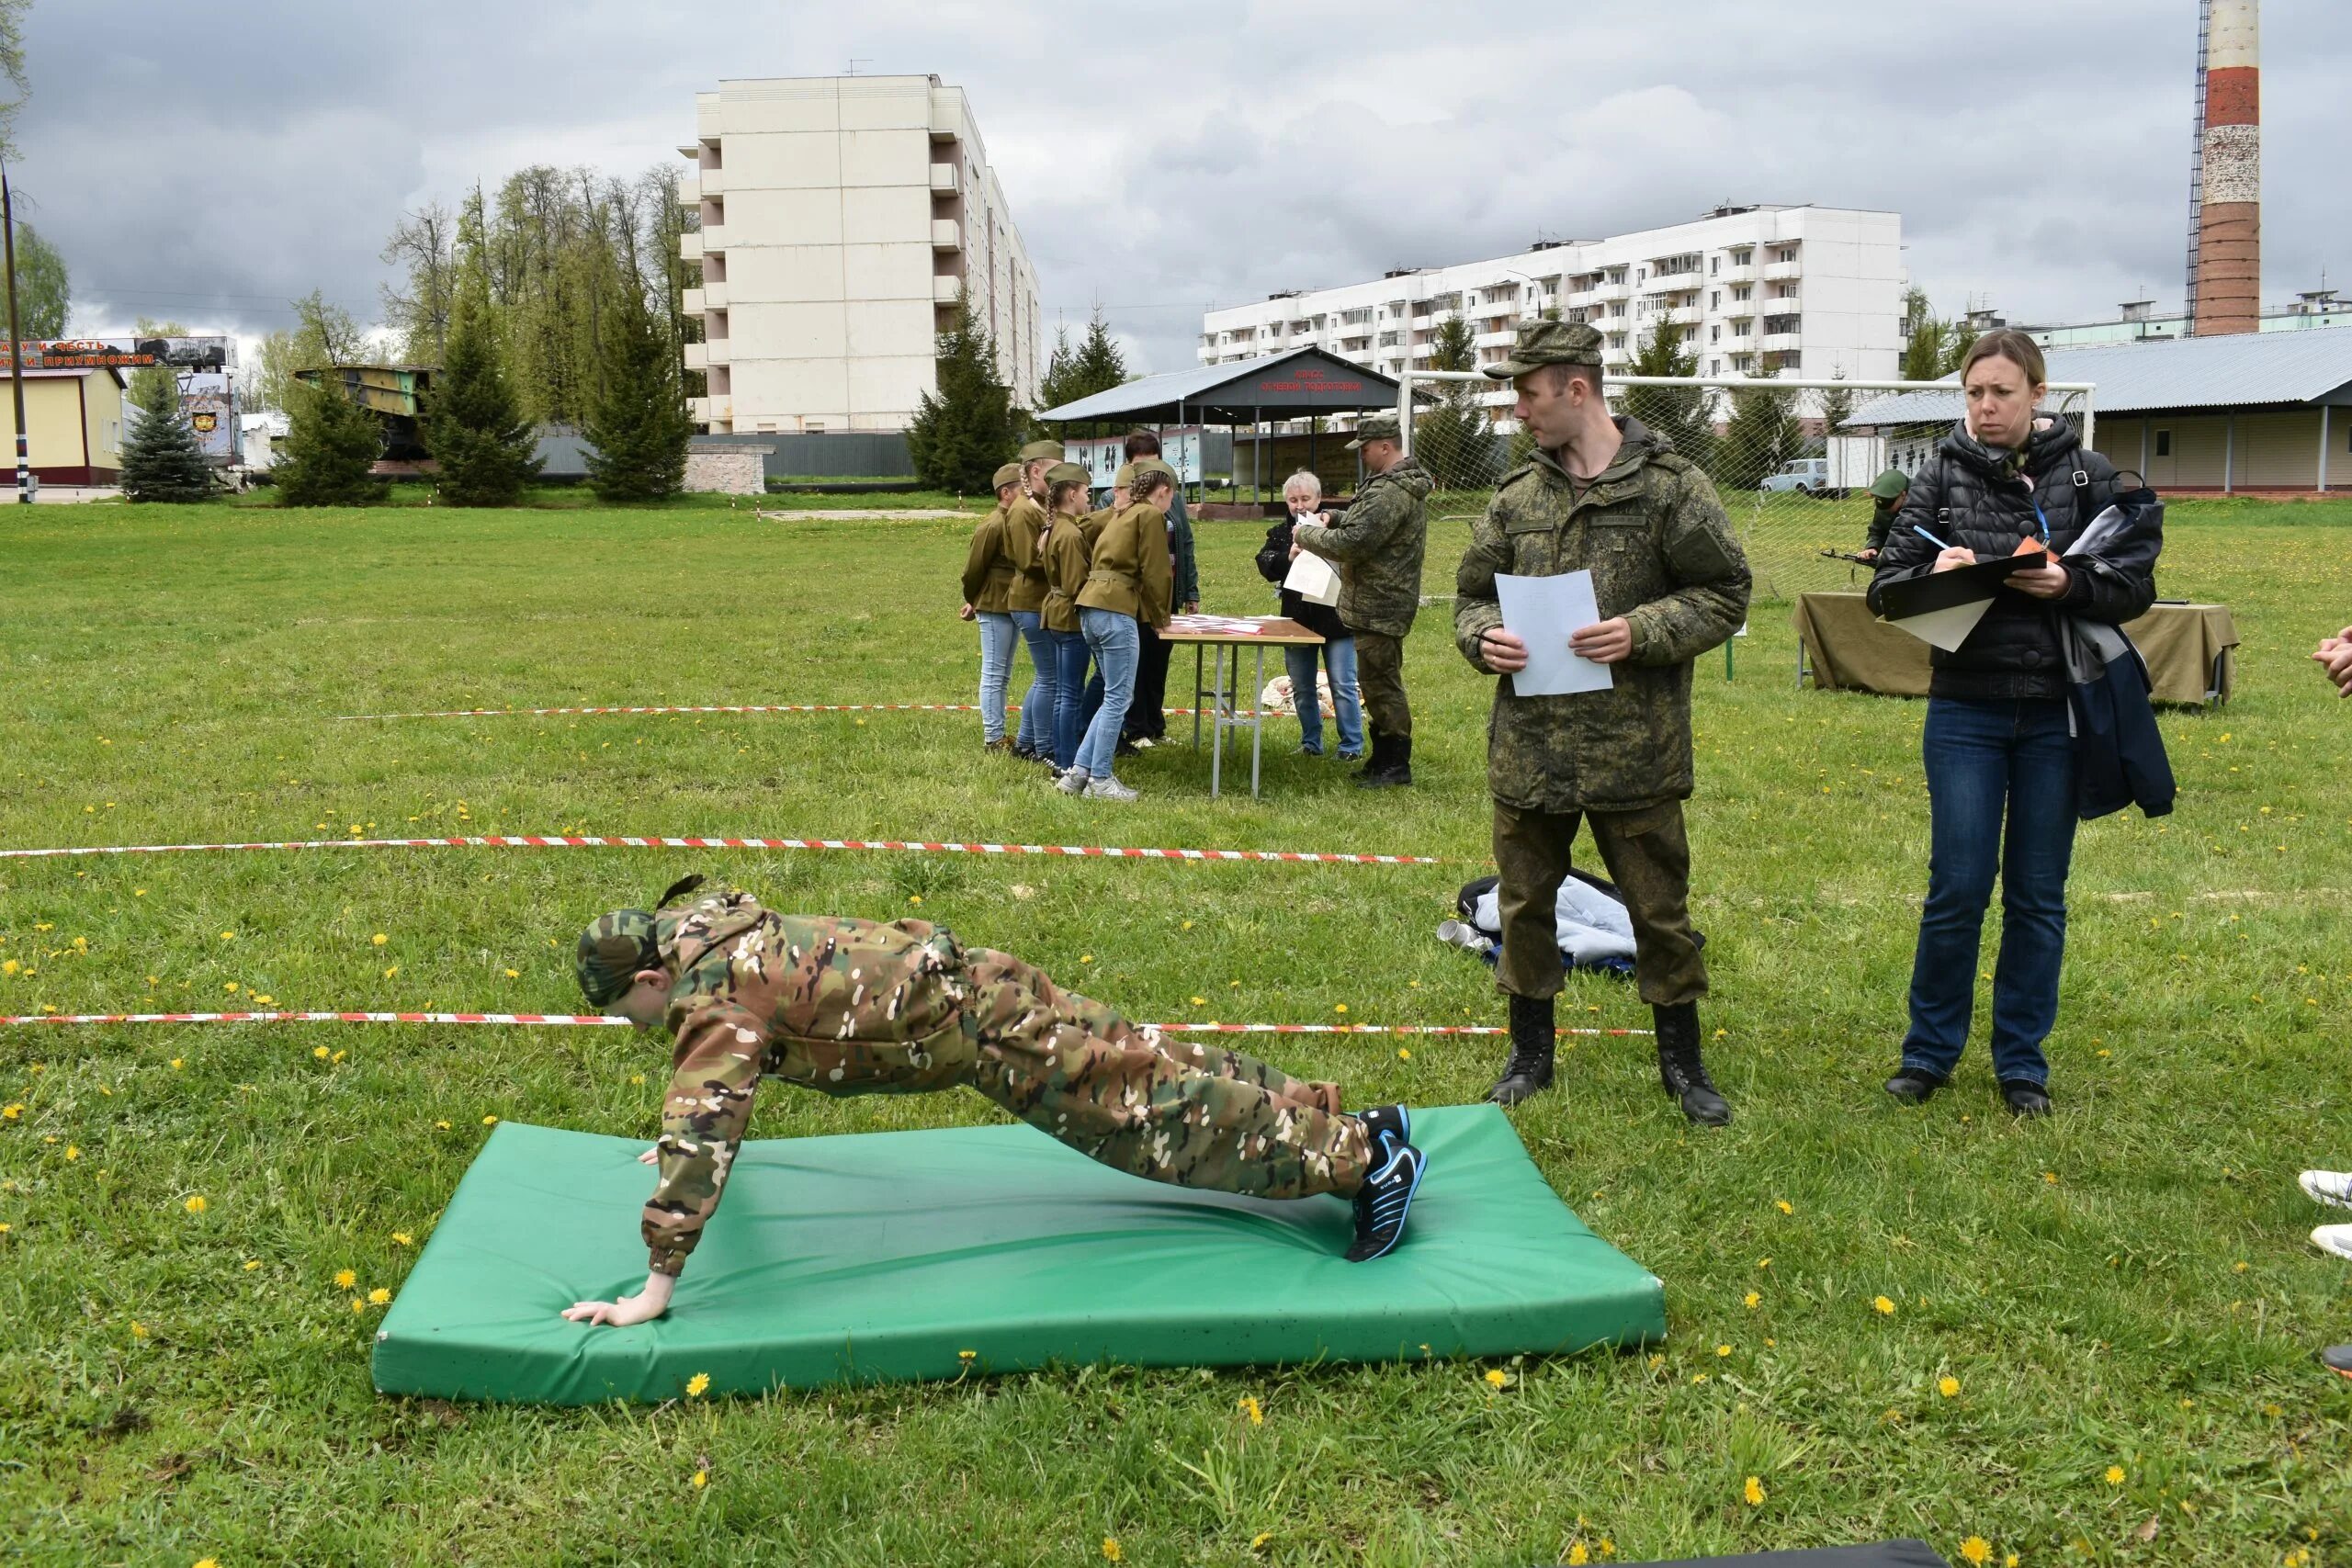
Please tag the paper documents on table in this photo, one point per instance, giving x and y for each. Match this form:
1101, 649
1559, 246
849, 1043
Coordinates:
1313, 579
1543, 612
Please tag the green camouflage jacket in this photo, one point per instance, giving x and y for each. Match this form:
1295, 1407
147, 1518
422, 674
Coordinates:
1662, 556
837, 1005
1378, 544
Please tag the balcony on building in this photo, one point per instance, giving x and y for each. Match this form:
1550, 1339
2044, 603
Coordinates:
1684, 315
1779, 343
1739, 310
944, 180
1732, 275
690, 190
1610, 293
1672, 282
1501, 338
716, 352
698, 356
693, 302
690, 245
1782, 304
713, 294
1780, 271
947, 234
946, 289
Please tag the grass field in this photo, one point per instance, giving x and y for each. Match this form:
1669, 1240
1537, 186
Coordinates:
2122, 1295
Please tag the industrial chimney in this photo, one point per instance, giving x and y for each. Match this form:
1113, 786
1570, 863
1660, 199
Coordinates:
2229, 224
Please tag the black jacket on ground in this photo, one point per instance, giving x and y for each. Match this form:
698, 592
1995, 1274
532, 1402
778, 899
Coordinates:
1273, 565
1983, 499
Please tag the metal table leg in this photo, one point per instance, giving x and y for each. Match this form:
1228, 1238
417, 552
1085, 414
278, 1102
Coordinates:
1217, 727
1257, 715
1196, 696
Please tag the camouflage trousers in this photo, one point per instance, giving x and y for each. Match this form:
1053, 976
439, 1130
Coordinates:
1648, 857
1380, 678
1194, 1115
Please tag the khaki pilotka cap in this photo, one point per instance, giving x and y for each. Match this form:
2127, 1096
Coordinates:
1543, 341
1068, 474
1008, 475
1036, 450
1375, 427
1126, 477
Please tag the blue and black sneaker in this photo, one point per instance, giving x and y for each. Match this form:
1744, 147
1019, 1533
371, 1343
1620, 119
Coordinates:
1384, 1200
1388, 1128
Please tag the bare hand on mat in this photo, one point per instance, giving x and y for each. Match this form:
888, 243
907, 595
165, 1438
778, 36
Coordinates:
643, 1307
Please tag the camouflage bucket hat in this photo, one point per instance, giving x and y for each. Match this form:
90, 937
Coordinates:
1008, 475
1543, 341
612, 950
1041, 449
1890, 484
1375, 427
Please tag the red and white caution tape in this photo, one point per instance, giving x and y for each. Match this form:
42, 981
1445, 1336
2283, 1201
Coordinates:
601, 1020
591, 842
731, 708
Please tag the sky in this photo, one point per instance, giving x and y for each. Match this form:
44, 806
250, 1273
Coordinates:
209, 164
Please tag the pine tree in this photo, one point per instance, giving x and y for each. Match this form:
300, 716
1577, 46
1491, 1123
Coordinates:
637, 423
1095, 364
331, 447
1455, 441
1680, 415
958, 436
1763, 433
472, 426
162, 460
1837, 406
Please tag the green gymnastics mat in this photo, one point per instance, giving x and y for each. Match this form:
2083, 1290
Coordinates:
885, 1256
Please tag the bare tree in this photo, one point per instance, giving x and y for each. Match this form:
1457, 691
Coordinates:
422, 244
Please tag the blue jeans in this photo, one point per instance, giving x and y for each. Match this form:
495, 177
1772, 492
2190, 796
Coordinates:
1116, 643
1339, 658
1983, 758
1036, 732
1069, 682
997, 635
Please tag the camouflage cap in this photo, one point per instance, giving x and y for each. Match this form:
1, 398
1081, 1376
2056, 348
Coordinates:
1543, 341
1375, 427
1890, 484
1068, 474
613, 947
1037, 451
1008, 475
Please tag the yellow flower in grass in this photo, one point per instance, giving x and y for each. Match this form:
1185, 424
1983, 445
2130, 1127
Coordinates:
344, 1278
1339, 1007
2115, 1475
207, 1563
1110, 1551
1248, 1405
1723, 1350
1882, 1306
195, 1204
1753, 1490
1976, 1549
251, 1264
11, 1113
1403, 1054
1751, 1301
1578, 1556
697, 1385
1257, 1542
320, 1052
138, 1329
1949, 1386
1784, 1205
379, 1297
358, 1305
72, 1151
379, 939
702, 1479
402, 1238
489, 1121
1496, 1378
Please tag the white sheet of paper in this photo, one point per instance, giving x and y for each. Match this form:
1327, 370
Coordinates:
1949, 628
1314, 579
1543, 612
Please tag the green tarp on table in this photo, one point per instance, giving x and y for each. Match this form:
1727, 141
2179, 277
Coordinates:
884, 1256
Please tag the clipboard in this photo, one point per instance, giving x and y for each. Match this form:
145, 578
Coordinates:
1943, 607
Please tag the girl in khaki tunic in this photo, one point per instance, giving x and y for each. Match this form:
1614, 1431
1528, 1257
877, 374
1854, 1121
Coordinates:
1067, 560
990, 573
1130, 583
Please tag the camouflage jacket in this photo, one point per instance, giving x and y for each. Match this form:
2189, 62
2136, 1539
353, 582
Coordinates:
1378, 544
1662, 556
837, 1005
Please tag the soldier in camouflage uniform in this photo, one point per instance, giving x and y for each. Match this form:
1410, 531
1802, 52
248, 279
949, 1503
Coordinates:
1377, 544
1606, 495
852, 1007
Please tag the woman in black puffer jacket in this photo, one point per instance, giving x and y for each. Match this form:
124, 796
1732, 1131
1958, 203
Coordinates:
1998, 747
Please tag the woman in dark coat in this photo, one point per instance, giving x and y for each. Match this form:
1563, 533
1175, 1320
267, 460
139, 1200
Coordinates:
1302, 497
1999, 751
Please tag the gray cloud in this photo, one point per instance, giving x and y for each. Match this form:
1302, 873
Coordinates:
1160, 160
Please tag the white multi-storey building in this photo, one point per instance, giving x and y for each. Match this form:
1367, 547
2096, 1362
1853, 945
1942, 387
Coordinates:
1813, 291
844, 218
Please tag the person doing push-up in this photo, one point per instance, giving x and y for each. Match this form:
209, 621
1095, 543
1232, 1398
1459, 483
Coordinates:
847, 1006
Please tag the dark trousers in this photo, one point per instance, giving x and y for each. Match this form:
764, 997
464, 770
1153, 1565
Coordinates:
1380, 676
1648, 858
1145, 720
1985, 761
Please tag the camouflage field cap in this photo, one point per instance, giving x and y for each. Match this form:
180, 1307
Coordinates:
1036, 450
1008, 475
1543, 341
613, 949
1890, 484
1375, 427
1068, 474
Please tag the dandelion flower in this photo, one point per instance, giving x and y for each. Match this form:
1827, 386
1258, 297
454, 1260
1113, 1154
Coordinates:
379, 939
358, 1305
1751, 1301
227, 936
1882, 1306
320, 1052
138, 1329
1496, 1377
1976, 1549
72, 1151
402, 1238
702, 1479
1257, 1542
1340, 1007
697, 1385
443, 1125
196, 1203
1248, 1406
1110, 1551
379, 1297
968, 1356
179, 1062
393, 971
1949, 1386
344, 1278
251, 1264
1753, 1490
1578, 1555
265, 999
489, 1121
11, 1113
1723, 1350
1784, 1205
1403, 1054
2115, 1475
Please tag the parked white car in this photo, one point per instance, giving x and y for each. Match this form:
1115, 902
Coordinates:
1807, 476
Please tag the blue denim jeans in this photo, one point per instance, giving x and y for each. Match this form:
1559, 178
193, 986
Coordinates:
1037, 733
1070, 687
1986, 759
1339, 658
1116, 643
997, 635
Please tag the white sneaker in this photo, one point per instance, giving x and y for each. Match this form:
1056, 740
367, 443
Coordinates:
1108, 788
1072, 781
2328, 1186
2333, 1238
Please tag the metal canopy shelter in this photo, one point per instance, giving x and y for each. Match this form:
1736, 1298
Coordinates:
1301, 384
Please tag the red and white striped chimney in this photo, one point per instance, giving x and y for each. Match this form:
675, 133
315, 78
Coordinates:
2229, 230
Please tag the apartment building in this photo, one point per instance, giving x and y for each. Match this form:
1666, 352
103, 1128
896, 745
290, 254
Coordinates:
843, 219
1812, 291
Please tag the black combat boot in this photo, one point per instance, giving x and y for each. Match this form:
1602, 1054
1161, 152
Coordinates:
1374, 760
1395, 768
1529, 1071
1680, 1069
